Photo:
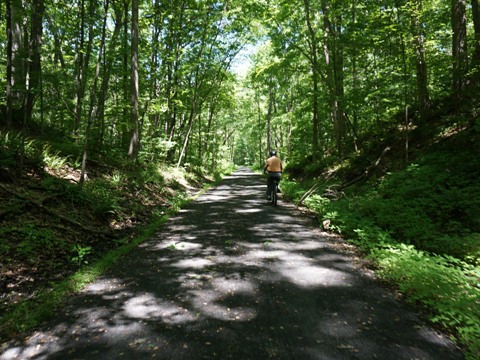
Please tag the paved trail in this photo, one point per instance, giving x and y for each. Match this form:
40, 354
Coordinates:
219, 281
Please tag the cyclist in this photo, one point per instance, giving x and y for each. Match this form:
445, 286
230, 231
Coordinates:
274, 168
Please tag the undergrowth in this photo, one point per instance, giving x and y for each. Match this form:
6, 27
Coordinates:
118, 206
421, 228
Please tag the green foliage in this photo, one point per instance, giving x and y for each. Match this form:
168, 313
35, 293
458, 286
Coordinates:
80, 253
12, 145
154, 149
447, 286
177, 201
432, 204
102, 196
9, 145
30, 312
420, 226
290, 189
28, 241
52, 159
317, 202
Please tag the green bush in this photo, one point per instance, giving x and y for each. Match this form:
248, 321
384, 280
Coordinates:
433, 205
290, 189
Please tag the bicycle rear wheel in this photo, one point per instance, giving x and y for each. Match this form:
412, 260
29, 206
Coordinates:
274, 194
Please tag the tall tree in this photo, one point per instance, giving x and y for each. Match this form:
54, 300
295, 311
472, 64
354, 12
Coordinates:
83, 54
313, 56
17, 53
134, 90
459, 48
9, 69
475, 64
423, 96
34, 64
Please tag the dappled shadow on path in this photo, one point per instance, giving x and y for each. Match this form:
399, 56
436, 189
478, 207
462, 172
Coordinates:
231, 277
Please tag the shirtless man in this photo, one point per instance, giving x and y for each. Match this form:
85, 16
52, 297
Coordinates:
274, 168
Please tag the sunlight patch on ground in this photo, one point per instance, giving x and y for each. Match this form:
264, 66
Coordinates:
298, 269
233, 286
308, 276
103, 286
248, 211
35, 347
118, 331
177, 245
210, 303
266, 254
301, 272
214, 197
195, 263
299, 245
148, 307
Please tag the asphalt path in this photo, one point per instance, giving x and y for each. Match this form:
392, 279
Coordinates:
231, 277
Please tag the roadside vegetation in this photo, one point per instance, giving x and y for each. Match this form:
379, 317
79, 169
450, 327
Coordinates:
56, 236
417, 224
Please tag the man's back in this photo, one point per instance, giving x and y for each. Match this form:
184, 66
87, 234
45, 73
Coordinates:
274, 164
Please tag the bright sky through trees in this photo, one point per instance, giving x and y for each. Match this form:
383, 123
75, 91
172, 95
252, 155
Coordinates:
243, 61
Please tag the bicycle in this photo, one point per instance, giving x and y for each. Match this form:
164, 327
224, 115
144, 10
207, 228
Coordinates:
274, 192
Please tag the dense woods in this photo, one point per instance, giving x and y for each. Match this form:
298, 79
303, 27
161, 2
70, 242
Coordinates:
152, 77
372, 105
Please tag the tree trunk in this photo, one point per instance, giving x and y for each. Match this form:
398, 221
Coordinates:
269, 120
475, 65
80, 66
17, 52
175, 44
208, 131
187, 137
330, 68
9, 92
423, 97
134, 91
340, 122
109, 55
315, 80
355, 79
125, 81
459, 49
83, 61
34, 68
92, 110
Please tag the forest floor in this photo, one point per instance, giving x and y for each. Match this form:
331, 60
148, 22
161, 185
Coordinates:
232, 277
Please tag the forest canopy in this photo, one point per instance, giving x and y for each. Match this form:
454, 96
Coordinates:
154, 79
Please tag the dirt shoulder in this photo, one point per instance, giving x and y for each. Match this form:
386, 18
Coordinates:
231, 277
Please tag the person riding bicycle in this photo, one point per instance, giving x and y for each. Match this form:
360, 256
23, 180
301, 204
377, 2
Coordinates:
274, 168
